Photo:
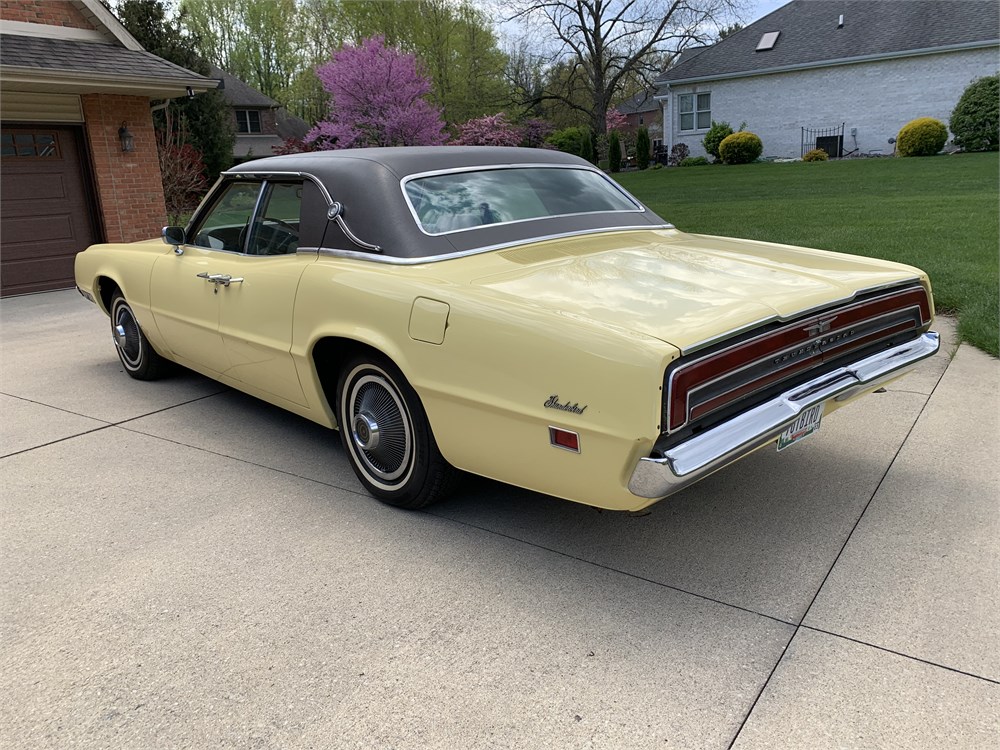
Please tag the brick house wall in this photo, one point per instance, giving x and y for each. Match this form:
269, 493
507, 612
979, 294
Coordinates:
50, 13
876, 98
129, 189
648, 118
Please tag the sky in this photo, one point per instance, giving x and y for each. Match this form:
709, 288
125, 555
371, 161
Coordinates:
764, 7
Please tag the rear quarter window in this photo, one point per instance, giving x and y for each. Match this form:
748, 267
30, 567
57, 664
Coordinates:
464, 200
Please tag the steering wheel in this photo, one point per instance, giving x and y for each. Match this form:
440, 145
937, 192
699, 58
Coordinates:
280, 245
283, 224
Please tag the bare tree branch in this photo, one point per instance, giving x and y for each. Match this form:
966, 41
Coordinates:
601, 44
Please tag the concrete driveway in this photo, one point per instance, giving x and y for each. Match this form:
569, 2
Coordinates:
186, 567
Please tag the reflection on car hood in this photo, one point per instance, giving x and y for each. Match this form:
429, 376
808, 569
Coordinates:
680, 288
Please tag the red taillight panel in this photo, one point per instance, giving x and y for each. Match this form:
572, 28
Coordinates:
786, 351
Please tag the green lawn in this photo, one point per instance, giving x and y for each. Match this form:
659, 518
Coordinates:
939, 213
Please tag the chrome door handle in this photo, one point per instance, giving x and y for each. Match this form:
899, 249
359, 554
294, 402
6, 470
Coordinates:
219, 278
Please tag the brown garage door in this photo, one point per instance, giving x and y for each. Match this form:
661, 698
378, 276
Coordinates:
46, 214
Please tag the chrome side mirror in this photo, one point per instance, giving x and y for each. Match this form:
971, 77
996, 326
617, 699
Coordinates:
174, 235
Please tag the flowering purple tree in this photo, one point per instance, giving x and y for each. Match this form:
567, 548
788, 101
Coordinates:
376, 99
492, 130
534, 133
616, 120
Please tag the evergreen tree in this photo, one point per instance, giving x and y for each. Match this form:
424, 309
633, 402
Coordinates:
642, 147
614, 151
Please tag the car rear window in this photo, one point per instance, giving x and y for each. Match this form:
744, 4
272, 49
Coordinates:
457, 201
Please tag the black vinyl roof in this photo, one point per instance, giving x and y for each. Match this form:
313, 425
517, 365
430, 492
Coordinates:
367, 182
872, 28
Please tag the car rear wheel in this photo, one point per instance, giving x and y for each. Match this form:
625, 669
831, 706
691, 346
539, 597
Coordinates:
137, 356
387, 437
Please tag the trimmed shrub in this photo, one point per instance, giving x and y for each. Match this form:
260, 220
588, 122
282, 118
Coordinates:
715, 136
678, 153
567, 139
740, 148
924, 136
577, 141
642, 147
817, 154
694, 161
975, 120
614, 152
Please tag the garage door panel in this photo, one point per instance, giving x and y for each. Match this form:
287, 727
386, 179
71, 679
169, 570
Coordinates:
46, 235
23, 191
46, 214
37, 274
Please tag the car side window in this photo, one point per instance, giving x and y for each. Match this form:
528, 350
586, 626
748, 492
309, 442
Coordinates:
276, 227
225, 226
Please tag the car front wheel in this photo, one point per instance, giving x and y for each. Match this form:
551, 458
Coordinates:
387, 437
137, 356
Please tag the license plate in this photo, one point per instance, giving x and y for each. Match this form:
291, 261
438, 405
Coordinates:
804, 426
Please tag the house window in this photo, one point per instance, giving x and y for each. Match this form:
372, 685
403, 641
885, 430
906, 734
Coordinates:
640, 119
695, 111
247, 121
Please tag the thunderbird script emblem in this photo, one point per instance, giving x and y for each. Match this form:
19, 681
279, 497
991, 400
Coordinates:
554, 403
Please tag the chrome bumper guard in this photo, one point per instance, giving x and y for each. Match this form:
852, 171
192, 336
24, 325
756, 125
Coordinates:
708, 451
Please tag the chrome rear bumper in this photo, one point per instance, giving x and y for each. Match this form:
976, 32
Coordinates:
708, 451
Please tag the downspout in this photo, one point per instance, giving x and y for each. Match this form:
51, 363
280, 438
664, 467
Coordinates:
668, 125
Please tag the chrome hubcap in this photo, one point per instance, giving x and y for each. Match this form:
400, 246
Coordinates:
119, 336
380, 430
366, 432
127, 338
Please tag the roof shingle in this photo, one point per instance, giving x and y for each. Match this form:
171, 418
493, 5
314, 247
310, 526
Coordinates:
809, 34
87, 57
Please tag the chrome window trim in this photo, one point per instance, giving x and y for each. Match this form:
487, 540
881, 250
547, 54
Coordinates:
639, 208
356, 255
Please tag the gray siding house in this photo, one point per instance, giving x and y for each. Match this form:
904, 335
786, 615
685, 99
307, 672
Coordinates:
857, 70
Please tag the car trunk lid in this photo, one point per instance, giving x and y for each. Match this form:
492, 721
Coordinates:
683, 289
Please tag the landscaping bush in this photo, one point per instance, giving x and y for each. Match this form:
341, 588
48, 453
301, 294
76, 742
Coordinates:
693, 161
740, 148
642, 147
614, 152
924, 136
715, 136
975, 120
678, 153
576, 141
817, 154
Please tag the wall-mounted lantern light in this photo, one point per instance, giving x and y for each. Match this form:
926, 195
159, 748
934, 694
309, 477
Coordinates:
127, 139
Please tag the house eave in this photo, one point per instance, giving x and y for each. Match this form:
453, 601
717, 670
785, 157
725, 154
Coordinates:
828, 63
78, 82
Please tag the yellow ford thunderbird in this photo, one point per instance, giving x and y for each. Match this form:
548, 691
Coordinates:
513, 313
